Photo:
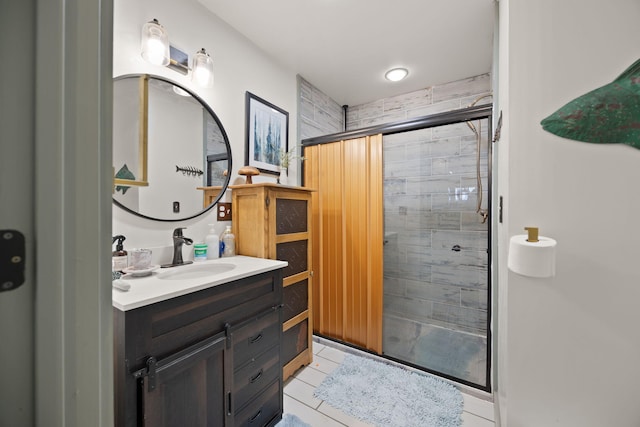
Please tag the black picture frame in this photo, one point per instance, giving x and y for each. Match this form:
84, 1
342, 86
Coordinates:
267, 134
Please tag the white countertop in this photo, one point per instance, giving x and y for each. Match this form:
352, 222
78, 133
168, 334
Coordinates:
158, 287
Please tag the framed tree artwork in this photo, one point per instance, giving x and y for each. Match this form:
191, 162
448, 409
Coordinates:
267, 134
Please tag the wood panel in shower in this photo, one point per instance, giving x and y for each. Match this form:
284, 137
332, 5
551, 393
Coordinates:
347, 215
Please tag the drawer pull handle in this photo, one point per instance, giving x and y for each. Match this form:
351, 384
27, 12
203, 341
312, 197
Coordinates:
256, 338
257, 377
255, 417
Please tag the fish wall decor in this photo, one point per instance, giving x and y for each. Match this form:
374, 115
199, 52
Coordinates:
607, 115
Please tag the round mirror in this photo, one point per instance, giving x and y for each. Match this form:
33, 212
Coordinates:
170, 152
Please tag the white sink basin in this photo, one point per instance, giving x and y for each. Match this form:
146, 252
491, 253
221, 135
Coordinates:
195, 271
172, 282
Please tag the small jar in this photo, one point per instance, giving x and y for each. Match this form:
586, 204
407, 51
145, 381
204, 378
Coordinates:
200, 252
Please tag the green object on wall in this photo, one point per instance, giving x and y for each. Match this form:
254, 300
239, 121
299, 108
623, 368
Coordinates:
607, 115
124, 173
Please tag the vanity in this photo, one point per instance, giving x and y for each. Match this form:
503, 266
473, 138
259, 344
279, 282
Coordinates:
200, 345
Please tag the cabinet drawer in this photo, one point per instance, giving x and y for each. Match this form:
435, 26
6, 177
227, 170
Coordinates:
256, 337
255, 375
263, 409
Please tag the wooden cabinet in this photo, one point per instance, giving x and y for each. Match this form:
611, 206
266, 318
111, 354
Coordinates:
209, 194
209, 358
273, 221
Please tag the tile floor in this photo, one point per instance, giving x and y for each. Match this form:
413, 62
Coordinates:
299, 400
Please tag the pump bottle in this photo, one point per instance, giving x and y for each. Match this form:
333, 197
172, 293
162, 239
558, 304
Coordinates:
213, 243
229, 241
119, 260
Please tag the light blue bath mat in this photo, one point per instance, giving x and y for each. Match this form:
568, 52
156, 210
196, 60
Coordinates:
290, 420
389, 396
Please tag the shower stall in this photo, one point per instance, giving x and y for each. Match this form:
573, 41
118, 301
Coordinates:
436, 261
426, 192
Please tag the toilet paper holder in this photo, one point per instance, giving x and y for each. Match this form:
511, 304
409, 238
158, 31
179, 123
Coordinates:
532, 255
532, 234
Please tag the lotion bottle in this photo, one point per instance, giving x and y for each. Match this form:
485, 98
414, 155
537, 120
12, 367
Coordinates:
213, 243
229, 241
119, 260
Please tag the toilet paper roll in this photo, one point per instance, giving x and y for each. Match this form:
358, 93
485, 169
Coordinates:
532, 259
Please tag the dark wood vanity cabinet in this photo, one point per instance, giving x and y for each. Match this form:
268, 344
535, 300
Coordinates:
274, 221
209, 358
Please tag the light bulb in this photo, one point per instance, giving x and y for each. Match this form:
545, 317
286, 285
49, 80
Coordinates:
202, 69
155, 43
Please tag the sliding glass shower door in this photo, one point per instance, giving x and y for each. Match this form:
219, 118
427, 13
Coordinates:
436, 249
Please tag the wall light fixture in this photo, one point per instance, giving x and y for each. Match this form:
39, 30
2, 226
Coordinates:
155, 43
156, 50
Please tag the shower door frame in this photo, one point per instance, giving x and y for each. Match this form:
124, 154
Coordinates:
440, 119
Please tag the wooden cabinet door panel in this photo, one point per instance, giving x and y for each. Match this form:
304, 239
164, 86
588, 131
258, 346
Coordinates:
296, 299
296, 254
291, 216
187, 389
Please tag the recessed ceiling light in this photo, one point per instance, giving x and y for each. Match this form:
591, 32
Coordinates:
396, 74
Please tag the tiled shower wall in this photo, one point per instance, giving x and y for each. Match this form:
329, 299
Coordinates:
424, 102
430, 196
430, 192
318, 114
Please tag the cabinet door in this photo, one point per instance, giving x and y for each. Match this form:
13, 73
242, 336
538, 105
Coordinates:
188, 388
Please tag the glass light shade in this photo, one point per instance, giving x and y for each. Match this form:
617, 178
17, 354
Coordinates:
202, 69
155, 43
396, 74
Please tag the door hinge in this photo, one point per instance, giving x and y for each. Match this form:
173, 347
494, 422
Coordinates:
12, 253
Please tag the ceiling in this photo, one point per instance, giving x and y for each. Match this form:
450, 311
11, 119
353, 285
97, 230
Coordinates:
344, 47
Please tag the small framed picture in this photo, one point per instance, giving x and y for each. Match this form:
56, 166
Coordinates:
267, 134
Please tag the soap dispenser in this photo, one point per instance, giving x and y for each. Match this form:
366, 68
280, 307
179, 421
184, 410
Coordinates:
213, 243
119, 260
229, 241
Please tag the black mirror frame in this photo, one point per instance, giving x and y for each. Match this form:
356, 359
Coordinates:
224, 135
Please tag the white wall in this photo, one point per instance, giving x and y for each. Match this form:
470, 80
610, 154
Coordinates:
572, 346
239, 66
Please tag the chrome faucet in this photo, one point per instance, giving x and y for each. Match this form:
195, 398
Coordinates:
178, 241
